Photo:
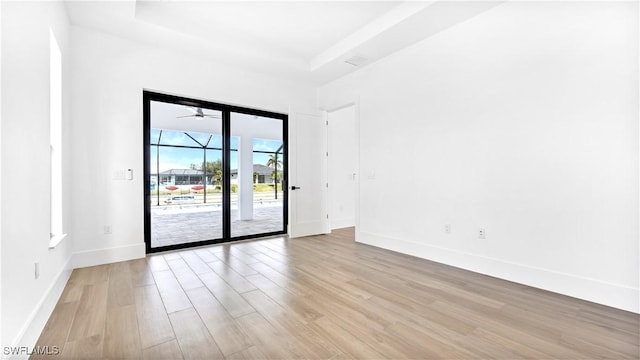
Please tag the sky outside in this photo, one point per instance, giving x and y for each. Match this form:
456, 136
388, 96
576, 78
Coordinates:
182, 158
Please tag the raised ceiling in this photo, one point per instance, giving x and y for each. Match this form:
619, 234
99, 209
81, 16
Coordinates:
301, 40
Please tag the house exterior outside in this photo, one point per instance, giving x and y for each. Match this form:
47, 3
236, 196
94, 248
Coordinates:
182, 177
262, 174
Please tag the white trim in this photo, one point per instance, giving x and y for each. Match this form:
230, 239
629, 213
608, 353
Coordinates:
55, 240
108, 255
601, 292
55, 138
342, 223
637, 148
38, 318
355, 222
358, 161
340, 107
36, 322
310, 228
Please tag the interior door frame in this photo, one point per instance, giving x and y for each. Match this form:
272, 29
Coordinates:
147, 97
356, 140
355, 102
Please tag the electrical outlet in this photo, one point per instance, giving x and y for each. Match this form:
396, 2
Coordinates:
107, 230
447, 228
482, 234
37, 270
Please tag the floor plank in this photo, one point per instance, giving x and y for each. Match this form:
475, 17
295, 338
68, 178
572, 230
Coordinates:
141, 274
89, 347
57, 328
91, 314
120, 291
228, 297
122, 339
184, 274
169, 350
321, 297
153, 321
171, 292
193, 337
221, 325
235, 280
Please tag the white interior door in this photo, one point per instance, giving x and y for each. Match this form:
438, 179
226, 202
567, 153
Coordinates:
307, 175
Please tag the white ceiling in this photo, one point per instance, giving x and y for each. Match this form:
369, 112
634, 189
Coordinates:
170, 116
302, 40
297, 30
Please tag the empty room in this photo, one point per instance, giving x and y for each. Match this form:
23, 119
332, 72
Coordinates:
319, 179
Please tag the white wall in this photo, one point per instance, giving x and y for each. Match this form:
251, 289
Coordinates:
1, 338
522, 121
27, 302
109, 74
102, 133
342, 166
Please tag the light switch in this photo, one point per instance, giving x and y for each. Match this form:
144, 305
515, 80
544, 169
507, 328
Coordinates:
118, 175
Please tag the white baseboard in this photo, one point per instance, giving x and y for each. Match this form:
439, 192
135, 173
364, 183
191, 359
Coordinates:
36, 322
108, 255
342, 223
309, 228
614, 295
34, 325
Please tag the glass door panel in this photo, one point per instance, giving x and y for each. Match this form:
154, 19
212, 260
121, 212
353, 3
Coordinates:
185, 172
257, 175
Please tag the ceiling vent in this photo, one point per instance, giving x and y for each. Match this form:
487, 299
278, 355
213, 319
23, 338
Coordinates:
356, 60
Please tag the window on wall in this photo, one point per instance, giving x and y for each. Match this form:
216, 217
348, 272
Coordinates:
55, 139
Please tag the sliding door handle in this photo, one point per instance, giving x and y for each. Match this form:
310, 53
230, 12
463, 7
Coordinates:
295, 187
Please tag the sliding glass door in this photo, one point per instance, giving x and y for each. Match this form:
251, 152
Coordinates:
213, 172
257, 178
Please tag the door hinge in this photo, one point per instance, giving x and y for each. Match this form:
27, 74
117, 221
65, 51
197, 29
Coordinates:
327, 184
327, 153
327, 216
327, 122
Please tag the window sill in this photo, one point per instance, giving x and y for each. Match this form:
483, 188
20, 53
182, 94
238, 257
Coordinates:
55, 240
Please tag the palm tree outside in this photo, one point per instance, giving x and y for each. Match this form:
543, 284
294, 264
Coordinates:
276, 162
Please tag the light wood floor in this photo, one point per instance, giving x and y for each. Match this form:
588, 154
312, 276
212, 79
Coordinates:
321, 297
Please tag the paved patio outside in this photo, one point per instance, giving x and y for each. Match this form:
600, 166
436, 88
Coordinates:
180, 224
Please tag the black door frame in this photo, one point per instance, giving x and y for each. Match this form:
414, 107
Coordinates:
226, 110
